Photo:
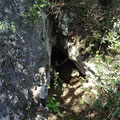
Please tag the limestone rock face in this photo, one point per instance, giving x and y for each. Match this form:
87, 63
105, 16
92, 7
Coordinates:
24, 61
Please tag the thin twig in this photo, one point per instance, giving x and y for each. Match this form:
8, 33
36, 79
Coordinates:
62, 62
20, 36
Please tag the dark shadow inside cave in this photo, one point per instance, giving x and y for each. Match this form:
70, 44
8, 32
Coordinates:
61, 63
64, 66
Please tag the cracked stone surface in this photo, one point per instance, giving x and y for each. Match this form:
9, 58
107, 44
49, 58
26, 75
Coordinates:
24, 61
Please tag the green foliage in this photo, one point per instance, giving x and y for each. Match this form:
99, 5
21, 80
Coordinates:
52, 104
113, 38
12, 27
108, 85
34, 11
56, 78
4, 25
108, 67
28, 106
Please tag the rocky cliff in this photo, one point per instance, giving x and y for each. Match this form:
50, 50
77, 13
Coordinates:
24, 61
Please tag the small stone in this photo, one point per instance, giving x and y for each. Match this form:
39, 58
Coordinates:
75, 73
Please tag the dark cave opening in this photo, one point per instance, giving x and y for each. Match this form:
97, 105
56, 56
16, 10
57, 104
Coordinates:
61, 63
65, 67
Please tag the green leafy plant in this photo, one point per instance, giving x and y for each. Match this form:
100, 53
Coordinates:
4, 25
52, 104
28, 106
108, 85
34, 11
55, 77
107, 64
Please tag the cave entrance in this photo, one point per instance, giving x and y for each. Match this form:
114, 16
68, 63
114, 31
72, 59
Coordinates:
68, 91
61, 63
